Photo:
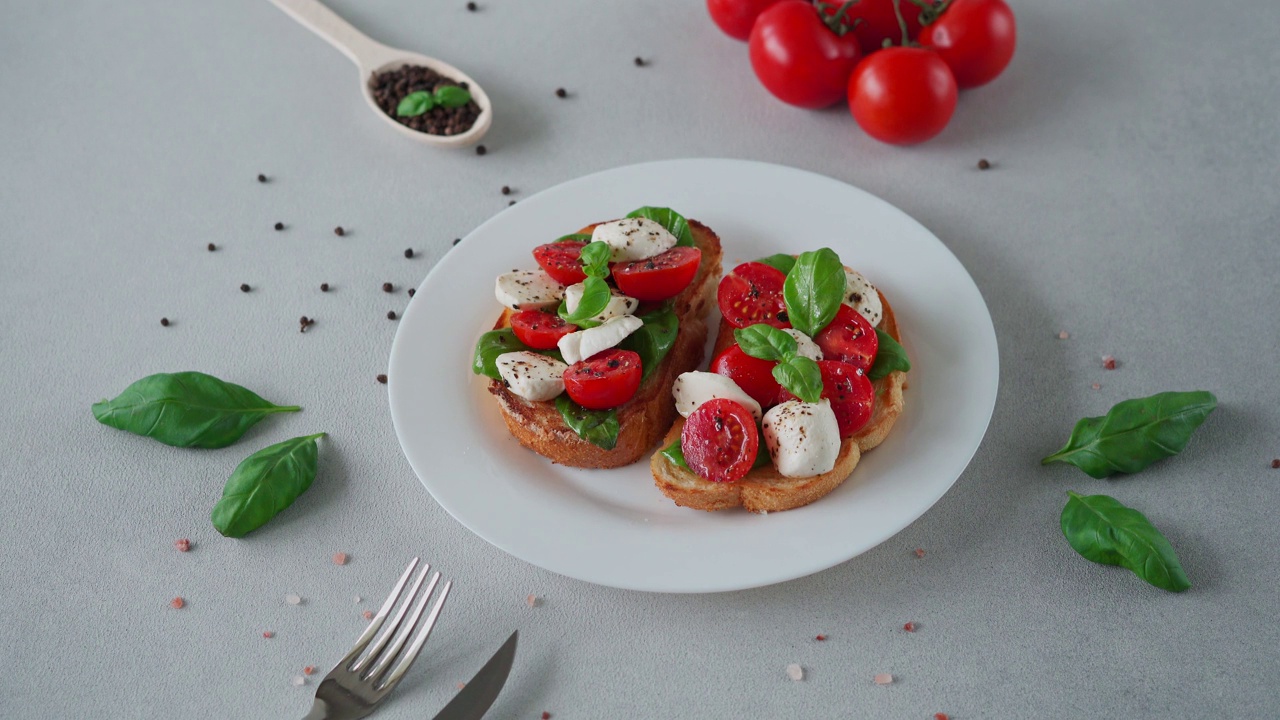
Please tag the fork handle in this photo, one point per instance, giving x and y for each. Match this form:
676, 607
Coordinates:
319, 711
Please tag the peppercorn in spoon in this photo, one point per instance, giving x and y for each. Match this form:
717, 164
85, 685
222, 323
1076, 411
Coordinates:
453, 109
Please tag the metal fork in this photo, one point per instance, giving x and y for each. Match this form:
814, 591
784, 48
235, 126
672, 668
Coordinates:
355, 687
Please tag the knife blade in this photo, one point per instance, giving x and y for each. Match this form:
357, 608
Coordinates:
480, 692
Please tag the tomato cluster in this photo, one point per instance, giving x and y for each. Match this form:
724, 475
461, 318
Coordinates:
898, 63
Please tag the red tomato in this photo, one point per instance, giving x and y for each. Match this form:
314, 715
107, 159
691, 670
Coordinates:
720, 440
735, 17
540, 329
561, 261
753, 375
975, 38
874, 21
660, 277
752, 294
850, 392
604, 380
902, 95
798, 58
849, 338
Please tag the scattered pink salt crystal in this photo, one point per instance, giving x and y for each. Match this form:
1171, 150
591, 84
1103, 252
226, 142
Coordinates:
1108, 362
268, 634
293, 599
461, 685
298, 681
368, 614
795, 672
359, 600
177, 603
533, 601
340, 558
309, 670
919, 552
1096, 386
182, 544
883, 679
1063, 334
909, 627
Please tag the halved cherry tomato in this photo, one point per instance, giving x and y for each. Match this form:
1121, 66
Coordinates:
561, 262
850, 392
604, 380
753, 375
849, 338
661, 276
540, 329
752, 294
975, 38
720, 440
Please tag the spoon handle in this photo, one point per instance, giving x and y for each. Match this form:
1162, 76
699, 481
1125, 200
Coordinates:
311, 14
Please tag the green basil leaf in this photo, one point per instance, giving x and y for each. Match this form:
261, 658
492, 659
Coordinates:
575, 237
595, 298
186, 409
264, 484
890, 357
673, 221
1135, 433
675, 454
781, 261
595, 259
653, 340
813, 290
500, 342
451, 96
801, 377
598, 427
415, 104
1104, 531
765, 342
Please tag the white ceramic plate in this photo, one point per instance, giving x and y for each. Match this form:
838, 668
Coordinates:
613, 527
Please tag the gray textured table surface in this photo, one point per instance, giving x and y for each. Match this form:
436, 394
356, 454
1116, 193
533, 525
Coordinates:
1132, 203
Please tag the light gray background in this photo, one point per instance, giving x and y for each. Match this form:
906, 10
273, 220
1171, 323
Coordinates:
1132, 203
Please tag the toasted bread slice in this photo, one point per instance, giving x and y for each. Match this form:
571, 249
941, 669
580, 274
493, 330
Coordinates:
643, 419
763, 489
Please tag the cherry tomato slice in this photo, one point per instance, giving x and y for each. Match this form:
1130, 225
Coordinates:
752, 294
720, 440
850, 338
561, 262
659, 277
850, 392
604, 380
753, 375
540, 329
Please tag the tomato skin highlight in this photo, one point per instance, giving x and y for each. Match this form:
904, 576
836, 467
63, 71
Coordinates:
975, 38
851, 394
798, 58
720, 440
539, 329
849, 338
660, 277
561, 261
604, 380
737, 17
752, 294
902, 95
753, 375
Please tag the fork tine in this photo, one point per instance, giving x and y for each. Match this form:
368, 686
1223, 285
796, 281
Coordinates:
418, 641
391, 627
389, 655
377, 620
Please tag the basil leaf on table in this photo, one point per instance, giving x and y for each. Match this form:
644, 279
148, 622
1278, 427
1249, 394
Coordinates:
801, 377
813, 290
765, 342
598, 427
653, 340
264, 484
595, 259
673, 221
451, 96
781, 261
1105, 531
1135, 433
889, 358
500, 342
415, 104
574, 237
595, 298
186, 409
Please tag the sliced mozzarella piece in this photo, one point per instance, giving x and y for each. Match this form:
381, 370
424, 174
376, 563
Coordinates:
805, 347
524, 289
803, 438
532, 376
619, 304
692, 389
580, 345
862, 296
634, 238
